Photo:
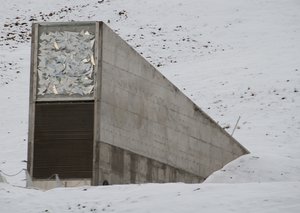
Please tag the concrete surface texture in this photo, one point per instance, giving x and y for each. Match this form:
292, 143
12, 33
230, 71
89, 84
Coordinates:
118, 165
144, 113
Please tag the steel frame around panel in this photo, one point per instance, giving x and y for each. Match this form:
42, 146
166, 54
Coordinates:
97, 108
32, 96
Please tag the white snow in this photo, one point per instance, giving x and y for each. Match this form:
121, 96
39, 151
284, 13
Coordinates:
249, 197
233, 58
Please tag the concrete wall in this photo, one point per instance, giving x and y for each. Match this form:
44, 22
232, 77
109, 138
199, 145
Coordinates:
46, 184
143, 113
118, 165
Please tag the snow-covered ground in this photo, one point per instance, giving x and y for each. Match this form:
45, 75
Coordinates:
233, 58
248, 197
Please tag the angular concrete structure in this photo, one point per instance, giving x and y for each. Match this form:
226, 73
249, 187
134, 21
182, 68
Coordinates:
117, 119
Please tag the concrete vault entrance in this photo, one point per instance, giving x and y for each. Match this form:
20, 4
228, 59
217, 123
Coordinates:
101, 114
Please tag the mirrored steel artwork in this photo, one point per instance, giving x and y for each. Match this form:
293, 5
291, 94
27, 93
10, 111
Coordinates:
66, 64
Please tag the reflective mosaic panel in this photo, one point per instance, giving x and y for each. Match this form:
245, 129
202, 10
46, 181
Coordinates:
66, 64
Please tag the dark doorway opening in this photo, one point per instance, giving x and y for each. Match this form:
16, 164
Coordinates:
63, 139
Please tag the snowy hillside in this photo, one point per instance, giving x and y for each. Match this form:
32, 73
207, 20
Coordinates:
232, 58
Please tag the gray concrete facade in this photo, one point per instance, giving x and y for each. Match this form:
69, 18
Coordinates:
141, 111
145, 128
118, 165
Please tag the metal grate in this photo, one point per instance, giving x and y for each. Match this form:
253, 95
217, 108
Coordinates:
63, 139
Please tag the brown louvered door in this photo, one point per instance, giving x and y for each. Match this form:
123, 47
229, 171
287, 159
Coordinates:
63, 139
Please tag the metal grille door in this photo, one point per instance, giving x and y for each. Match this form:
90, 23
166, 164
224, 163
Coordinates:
63, 139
